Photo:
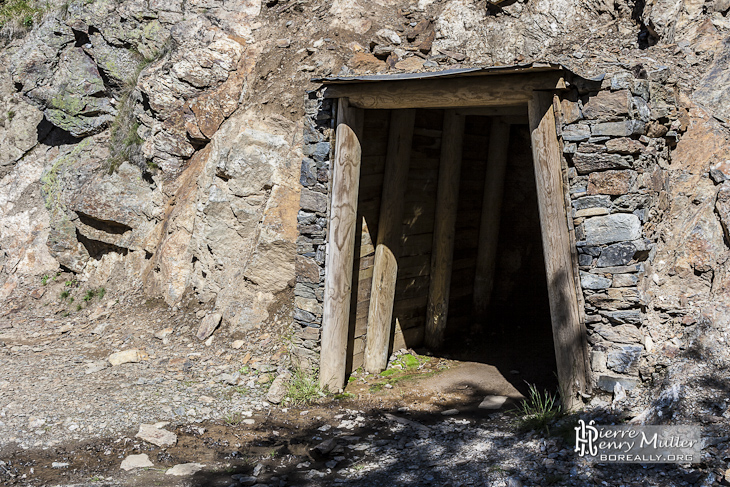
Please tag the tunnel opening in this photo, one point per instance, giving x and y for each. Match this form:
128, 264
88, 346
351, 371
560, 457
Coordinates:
509, 328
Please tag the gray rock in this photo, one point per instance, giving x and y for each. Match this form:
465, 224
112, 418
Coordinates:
713, 91
618, 129
617, 254
592, 161
631, 202
576, 133
632, 317
593, 281
279, 388
625, 280
208, 325
492, 402
625, 360
608, 382
612, 228
313, 201
599, 201
184, 469
387, 36
136, 461
157, 436
619, 334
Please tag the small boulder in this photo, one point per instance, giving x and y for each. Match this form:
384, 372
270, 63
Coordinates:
136, 461
157, 436
278, 388
208, 325
127, 356
185, 469
493, 402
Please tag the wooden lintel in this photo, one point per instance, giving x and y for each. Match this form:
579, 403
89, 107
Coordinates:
341, 245
442, 251
385, 271
496, 111
568, 331
487, 91
490, 218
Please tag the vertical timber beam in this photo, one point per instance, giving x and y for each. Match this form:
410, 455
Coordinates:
490, 219
390, 223
340, 245
568, 331
442, 251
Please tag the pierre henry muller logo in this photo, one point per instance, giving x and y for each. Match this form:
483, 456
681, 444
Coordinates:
585, 438
638, 444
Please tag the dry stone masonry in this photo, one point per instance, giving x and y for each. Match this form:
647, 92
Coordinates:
617, 134
312, 224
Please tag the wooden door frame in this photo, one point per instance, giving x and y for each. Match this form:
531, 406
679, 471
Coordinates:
537, 93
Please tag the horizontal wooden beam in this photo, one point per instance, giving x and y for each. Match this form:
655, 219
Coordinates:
488, 91
500, 111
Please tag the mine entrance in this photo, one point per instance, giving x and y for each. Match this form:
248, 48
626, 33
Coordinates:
498, 311
448, 228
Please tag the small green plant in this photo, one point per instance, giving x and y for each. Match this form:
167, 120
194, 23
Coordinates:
71, 300
44, 279
78, 307
90, 294
344, 395
19, 14
101, 292
538, 411
304, 388
245, 370
64, 295
11, 115
233, 419
96, 478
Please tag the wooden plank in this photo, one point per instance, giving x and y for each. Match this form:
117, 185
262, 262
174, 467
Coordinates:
496, 90
557, 106
413, 266
501, 111
341, 246
442, 250
569, 334
490, 218
408, 338
385, 271
416, 244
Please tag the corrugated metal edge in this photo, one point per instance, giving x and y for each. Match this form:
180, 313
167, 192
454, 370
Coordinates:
448, 73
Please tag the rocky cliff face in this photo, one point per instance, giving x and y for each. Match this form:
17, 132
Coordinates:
157, 146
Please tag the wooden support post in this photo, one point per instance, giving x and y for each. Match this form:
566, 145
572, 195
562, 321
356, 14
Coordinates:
568, 331
442, 251
340, 246
390, 223
490, 218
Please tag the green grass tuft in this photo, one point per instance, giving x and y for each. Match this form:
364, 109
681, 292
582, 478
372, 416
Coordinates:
19, 14
304, 388
538, 411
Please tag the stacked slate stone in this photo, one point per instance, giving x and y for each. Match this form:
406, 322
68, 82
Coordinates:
312, 225
617, 134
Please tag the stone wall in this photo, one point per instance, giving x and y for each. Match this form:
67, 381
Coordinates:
617, 134
312, 223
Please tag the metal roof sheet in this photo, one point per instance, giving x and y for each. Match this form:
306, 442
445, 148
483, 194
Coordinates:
448, 73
